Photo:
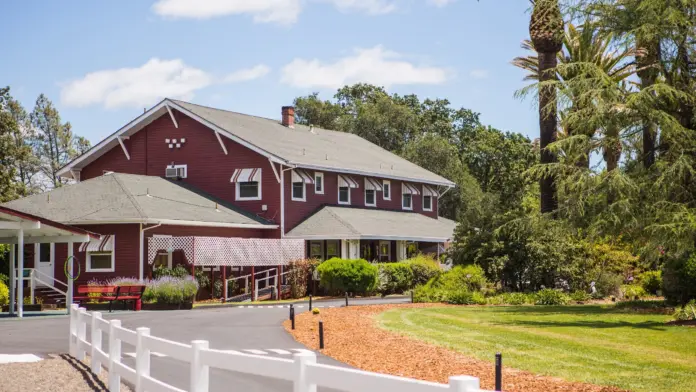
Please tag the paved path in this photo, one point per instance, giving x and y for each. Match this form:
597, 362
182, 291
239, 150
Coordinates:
255, 330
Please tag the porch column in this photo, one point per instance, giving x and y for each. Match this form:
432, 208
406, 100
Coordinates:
400, 250
13, 273
68, 279
20, 267
354, 249
344, 249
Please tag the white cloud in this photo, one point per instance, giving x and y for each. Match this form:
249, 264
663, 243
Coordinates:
371, 7
376, 65
244, 75
440, 3
263, 11
478, 73
147, 84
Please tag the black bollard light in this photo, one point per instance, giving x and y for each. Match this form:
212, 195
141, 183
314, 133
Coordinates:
498, 372
346, 299
321, 335
412, 296
310, 302
292, 316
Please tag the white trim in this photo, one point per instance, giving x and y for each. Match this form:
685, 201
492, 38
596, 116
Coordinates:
372, 174
374, 198
338, 196
323, 185
403, 207
224, 149
384, 194
239, 198
113, 261
423, 202
292, 191
368, 237
174, 222
277, 176
16, 225
171, 114
42, 239
51, 259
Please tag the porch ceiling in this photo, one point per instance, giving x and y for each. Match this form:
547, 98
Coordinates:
334, 222
37, 230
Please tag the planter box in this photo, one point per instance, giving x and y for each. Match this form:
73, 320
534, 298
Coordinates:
156, 306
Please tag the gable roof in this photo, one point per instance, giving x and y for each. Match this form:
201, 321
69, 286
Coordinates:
131, 198
297, 147
336, 222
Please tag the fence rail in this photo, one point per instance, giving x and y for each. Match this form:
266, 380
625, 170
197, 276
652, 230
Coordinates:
303, 371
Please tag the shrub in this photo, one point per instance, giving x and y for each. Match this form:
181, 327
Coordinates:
632, 292
427, 293
423, 268
651, 281
470, 277
176, 272
315, 311
124, 282
394, 278
4, 294
299, 275
355, 276
465, 297
4, 279
551, 297
511, 299
686, 312
679, 279
580, 296
171, 290
608, 284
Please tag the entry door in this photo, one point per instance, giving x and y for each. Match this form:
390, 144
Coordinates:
44, 260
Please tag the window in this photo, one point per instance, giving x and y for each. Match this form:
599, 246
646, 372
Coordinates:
343, 195
176, 171
319, 183
427, 203
370, 198
100, 261
316, 250
333, 248
407, 201
386, 190
250, 190
298, 191
384, 250
163, 258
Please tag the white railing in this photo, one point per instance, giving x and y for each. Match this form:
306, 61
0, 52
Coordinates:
37, 276
302, 370
246, 284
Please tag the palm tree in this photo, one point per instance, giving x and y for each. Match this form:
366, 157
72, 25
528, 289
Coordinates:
546, 32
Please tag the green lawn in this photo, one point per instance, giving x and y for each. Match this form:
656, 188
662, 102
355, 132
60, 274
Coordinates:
595, 344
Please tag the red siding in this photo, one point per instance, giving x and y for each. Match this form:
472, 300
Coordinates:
296, 211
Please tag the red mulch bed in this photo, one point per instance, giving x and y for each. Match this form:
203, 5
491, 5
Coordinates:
353, 337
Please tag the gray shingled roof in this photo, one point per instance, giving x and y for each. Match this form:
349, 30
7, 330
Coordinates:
320, 149
334, 222
133, 198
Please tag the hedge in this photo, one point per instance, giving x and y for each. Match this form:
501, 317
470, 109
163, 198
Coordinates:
339, 276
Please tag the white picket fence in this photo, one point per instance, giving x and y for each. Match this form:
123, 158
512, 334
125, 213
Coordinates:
303, 370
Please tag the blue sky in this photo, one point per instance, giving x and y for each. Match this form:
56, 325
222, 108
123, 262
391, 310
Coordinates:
103, 62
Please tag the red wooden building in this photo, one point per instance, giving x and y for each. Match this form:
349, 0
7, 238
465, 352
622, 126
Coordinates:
184, 170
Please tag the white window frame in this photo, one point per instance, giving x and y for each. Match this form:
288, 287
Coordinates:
379, 250
374, 198
238, 198
386, 195
169, 254
113, 260
185, 167
292, 190
323, 185
423, 202
339, 195
403, 207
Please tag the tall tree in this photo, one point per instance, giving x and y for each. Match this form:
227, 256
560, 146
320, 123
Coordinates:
28, 164
55, 143
546, 33
9, 187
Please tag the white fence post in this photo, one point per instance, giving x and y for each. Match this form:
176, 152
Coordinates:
142, 358
96, 339
73, 330
301, 362
200, 374
464, 384
81, 332
114, 356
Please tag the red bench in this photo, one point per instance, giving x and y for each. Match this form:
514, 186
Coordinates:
111, 294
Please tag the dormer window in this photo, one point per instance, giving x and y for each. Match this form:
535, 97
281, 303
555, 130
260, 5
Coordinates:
247, 184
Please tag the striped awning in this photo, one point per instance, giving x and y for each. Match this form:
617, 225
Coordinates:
407, 188
302, 176
428, 191
372, 184
246, 175
105, 244
344, 181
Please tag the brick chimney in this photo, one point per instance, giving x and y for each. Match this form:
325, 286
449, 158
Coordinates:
288, 118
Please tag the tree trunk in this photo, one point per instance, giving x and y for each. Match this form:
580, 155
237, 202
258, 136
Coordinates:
648, 74
547, 128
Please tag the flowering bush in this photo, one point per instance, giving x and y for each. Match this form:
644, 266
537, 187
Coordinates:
171, 290
4, 294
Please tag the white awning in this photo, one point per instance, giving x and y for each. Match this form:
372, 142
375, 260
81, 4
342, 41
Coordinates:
344, 181
105, 244
407, 188
302, 176
372, 184
428, 191
246, 175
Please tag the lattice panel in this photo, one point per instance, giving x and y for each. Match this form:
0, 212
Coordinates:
214, 251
